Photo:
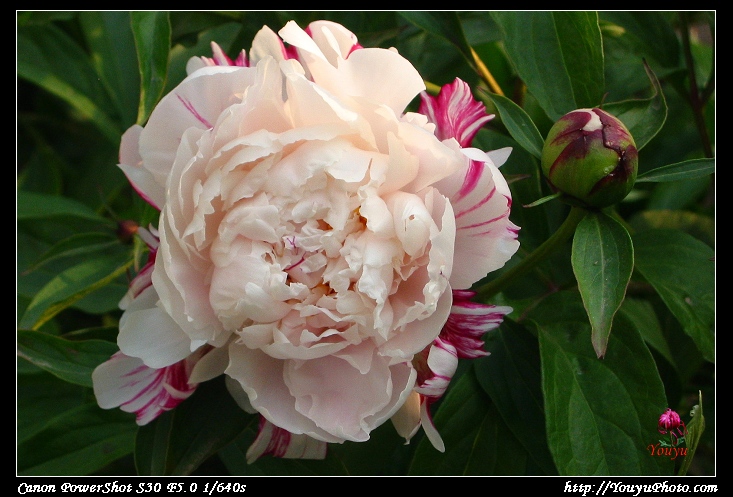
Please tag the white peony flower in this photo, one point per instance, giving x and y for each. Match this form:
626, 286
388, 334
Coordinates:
312, 232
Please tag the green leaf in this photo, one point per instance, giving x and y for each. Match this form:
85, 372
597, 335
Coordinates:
544, 200
69, 287
41, 398
601, 413
477, 442
37, 206
152, 32
643, 117
224, 35
71, 361
151, 446
564, 48
700, 226
384, 454
178, 441
682, 270
511, 376
443, 24
77, 443
695, 429
641, 316
518, 123
602, 259
688, 169
655, 34
76, 245
109, 37
47, 57
687, 194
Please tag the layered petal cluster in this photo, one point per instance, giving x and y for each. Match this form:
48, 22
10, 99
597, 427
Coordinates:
312, 234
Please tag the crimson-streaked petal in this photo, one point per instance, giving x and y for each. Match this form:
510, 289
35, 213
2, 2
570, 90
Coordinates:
455, 113
143, 279
467, 323
441, 362
428, 426
126, 382
140, 282
218, 58
281, 443
485, 236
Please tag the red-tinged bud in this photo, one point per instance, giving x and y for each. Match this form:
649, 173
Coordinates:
126, 230
591, 158
668, 421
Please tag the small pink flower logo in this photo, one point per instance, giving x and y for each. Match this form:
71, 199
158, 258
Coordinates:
670, 422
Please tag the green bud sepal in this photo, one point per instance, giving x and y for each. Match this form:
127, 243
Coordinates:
590, 156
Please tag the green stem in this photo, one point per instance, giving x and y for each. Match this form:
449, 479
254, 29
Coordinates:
563, 233
486, 74
694, 96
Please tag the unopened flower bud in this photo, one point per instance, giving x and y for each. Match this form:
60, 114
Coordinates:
668, 421
590, 157
126, 230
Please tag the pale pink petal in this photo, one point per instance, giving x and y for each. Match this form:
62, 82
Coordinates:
415, 413
335, 41
197, 102
499, 156
141, 179
149, 333
267, 43
304, 397
423, 300
238, 394
183, 292
309, 104
281, 443
407, 418
260, 376
419, 333
211, 365
339, 403
375, 75
298, 38
261, 111
403, 377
